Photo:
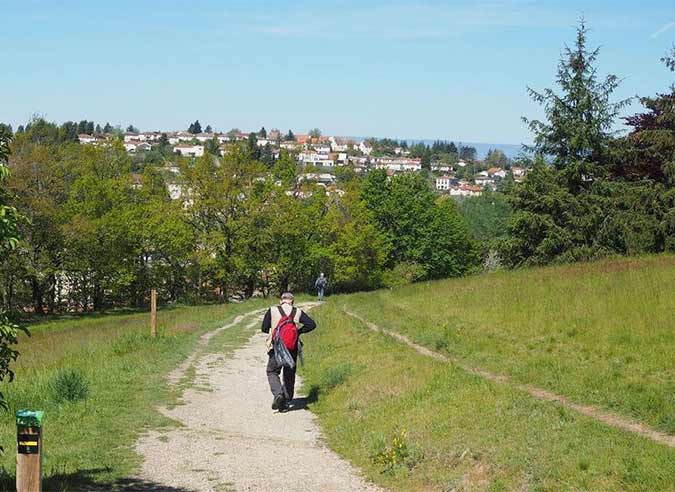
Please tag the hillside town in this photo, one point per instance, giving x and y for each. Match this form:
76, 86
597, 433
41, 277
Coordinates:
319, 155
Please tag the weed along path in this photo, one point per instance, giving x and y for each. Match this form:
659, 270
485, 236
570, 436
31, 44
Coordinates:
591, 411
229, 439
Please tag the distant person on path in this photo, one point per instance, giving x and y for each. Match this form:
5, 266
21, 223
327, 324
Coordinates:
292, 318
320, 285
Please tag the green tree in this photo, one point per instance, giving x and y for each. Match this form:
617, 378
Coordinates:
578, 129
421, 230
8, 241
649, 149
315, 133
195, 128
262, 133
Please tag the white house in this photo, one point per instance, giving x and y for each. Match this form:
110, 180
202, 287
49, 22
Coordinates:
321, 148
518, 172
399, 164
484, 181
365, 148
86, 139
461, 163
288, 145
204, 137
441, 167
443, 183
189, 150
315, 159
130, 146
496, 172
465, 190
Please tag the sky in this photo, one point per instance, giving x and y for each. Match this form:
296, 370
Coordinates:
455, 70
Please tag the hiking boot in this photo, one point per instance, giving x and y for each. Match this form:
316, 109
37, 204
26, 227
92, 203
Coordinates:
279, 402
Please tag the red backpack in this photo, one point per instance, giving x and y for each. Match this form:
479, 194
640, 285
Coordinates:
287, 330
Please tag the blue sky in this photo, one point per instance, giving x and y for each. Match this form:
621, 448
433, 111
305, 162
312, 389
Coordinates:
416, 69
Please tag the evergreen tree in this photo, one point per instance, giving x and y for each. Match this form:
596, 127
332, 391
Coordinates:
289, 136
315, 133
578, 127
208, 129
107, 128
262, 133
98, 130
132, 129
195, 128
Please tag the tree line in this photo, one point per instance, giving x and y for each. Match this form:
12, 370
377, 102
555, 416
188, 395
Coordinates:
96, 234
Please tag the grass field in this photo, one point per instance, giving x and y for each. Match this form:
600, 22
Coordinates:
599, 333
89, 443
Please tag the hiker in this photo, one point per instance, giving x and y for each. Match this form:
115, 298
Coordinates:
320, 285
287, 318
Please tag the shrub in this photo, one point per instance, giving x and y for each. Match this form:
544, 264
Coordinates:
402, 274
69, 385
335, 376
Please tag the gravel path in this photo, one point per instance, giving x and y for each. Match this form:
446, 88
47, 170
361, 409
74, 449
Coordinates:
229, 439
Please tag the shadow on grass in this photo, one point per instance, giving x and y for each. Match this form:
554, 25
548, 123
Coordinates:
85, 480
313, 395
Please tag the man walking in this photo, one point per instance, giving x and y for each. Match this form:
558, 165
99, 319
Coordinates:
283, 393
320, 285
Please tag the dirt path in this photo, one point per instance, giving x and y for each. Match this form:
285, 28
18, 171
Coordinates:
229, 439
592, 411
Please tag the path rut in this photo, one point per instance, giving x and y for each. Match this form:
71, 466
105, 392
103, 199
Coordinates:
229, 439
592, 411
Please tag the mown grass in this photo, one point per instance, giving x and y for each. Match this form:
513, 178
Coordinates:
599, 333
89, 444
415, 424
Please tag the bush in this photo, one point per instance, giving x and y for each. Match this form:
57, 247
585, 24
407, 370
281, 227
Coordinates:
335, 376
69, 385
403, 274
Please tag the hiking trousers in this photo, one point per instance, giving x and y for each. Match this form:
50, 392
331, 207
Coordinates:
273, 377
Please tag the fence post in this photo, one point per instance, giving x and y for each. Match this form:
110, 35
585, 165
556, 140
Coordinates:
153, 313
29, 450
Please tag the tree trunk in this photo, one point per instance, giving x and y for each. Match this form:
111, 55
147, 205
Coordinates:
38, 305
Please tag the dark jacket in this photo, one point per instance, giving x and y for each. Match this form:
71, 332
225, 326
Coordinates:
308, 324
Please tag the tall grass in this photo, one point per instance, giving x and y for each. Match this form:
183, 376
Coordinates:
600, 333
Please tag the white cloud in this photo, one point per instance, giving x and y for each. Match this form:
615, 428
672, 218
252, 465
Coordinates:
662, 29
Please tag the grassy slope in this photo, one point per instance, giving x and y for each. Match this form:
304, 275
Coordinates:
92, 441
600, 333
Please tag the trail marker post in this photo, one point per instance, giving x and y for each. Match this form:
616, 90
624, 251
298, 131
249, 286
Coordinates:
153, 313
29, 450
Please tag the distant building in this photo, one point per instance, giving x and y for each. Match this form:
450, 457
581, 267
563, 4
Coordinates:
443, 183
189, 150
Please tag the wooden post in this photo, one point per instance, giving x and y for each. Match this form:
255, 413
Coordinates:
29, 470
153, 313
29, 451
